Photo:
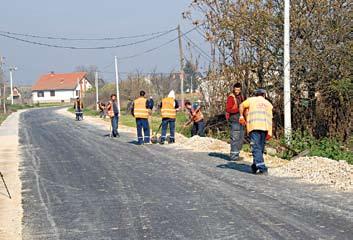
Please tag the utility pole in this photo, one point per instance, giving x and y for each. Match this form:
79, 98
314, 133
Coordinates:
11, 69
286, 64
181, 55
117, 83
96, 83
3, 78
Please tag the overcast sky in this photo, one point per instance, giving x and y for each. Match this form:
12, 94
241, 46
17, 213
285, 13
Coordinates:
95, 19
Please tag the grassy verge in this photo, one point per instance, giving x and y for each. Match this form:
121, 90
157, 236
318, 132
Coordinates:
3, 117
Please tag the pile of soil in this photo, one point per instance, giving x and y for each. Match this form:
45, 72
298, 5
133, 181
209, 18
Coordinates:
207, 144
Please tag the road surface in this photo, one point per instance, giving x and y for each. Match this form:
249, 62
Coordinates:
79, 184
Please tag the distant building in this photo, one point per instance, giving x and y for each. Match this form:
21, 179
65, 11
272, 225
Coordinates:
60, 87
16, 93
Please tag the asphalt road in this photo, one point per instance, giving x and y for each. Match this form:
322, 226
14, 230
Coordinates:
78, 184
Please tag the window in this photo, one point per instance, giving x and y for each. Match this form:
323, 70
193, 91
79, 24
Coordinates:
77, 92
40, 94
52, 93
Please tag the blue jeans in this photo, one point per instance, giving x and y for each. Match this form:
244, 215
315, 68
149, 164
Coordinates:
236, 137
115, 122
198, 128
257, 142
142, 124
165, 123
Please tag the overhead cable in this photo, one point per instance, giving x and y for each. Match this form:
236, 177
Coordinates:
87, 48
84, 39
157, 47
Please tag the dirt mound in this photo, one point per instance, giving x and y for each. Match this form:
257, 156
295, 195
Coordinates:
318, 170
205, 144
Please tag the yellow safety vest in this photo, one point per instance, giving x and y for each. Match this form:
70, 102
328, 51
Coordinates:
260, 115
140, 110
168, 108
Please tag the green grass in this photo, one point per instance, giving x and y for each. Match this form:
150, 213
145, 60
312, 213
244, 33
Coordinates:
3, 117
325, 147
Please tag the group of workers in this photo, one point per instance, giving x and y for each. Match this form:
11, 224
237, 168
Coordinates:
252, 115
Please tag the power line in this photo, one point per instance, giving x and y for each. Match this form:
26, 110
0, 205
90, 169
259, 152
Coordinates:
87, 48
84, 39
157, 47
200, 50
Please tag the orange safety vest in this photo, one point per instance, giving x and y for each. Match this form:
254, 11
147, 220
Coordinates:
110, 109
168, 108
140, 110
197, 117
260, 115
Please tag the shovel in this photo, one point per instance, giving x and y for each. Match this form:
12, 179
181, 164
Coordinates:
3, 180
154, 139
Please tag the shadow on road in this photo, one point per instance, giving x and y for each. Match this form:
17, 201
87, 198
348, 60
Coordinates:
236, 166
219, 155
134, 142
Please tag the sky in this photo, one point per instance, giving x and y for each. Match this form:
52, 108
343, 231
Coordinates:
90, 19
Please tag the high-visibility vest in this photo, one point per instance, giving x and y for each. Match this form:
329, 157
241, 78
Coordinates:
110, 109
260, 115
168, 108
198, 115
140, 110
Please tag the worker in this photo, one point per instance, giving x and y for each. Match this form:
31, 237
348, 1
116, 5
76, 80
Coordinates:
195, 117
129, 106
169, 107
113, 113
259, 126
232, 115
151, 103
78, 106
141, 110
102, 110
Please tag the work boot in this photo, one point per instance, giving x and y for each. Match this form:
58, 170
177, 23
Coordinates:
254, 168
263, 172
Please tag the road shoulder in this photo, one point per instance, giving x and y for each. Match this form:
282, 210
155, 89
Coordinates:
10, 209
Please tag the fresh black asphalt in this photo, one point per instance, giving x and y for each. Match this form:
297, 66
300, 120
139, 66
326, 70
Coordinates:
79, 184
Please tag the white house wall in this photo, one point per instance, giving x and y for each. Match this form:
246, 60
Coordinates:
60, 95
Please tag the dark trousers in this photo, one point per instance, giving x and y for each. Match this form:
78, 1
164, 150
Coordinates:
142, 124
165, 123
257, 142
115, 123
236, 137
79, 114
198, 128
102, 114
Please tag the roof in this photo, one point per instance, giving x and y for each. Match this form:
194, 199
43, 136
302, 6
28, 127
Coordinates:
16, 92
58, 81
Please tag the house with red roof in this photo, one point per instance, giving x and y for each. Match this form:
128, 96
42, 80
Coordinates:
60, 87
